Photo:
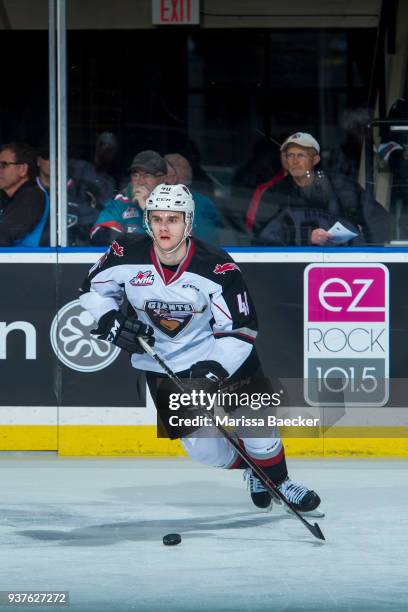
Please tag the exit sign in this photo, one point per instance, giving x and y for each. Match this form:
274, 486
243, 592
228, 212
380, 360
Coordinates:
175, 12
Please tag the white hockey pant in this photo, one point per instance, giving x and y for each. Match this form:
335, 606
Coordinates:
217, 451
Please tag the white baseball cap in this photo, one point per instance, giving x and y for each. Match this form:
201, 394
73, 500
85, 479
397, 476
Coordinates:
303, 139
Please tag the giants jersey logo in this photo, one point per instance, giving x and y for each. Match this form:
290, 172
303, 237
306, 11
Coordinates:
171, 319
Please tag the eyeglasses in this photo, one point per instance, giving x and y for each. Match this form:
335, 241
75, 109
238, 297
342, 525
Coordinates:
5, 164
299, 156
139, 176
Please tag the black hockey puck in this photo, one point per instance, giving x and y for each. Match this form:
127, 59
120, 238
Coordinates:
171, 539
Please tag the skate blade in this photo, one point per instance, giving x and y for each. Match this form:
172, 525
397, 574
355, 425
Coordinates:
316, 513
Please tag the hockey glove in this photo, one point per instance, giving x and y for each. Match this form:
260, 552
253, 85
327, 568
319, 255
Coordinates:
114, 327
212, 370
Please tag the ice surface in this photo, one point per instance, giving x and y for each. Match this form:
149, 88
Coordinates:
95, 527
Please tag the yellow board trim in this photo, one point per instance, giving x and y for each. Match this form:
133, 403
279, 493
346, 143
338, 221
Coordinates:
116, 440
141, 441
28, 437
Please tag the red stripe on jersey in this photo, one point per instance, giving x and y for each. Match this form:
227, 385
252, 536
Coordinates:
223, 312
168, 274
190, 253
232, 335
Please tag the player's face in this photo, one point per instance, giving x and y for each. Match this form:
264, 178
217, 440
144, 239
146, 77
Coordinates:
167, 227
300, 161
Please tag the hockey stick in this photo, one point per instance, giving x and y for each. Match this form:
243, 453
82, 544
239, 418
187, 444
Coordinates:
267, 482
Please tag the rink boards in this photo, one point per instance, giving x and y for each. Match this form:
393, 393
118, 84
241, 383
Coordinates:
61, 392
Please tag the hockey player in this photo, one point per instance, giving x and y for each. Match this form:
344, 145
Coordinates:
191, 301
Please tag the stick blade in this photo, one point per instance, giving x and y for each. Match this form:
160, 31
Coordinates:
316, 531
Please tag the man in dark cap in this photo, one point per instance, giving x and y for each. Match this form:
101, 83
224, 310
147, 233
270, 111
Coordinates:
125, 212
147, 170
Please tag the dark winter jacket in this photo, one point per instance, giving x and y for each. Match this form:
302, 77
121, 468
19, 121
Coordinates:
296, 212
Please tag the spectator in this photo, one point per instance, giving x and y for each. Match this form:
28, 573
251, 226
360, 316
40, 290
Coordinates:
106, 154
124, 213
252, 212
43, 163
90, 186
394, 151
201, 181
248, 184
306, 204
91, 182
207, 220
24, 209
346, 157
43, 181
263, 164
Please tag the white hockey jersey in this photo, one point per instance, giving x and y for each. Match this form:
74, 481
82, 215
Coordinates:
199, 310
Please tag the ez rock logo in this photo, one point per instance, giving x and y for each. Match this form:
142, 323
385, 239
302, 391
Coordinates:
73, 343
346, 334
142, 279
226, 267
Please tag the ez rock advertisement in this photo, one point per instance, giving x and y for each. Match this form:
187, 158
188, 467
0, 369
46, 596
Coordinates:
346, 334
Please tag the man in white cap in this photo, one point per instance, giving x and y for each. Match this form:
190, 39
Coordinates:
301, 152
306, 204
302, 155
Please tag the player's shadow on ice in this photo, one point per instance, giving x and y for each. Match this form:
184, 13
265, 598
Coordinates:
154, 530
181, 494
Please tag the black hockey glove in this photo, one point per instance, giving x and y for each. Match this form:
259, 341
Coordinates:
212, 370
114, 327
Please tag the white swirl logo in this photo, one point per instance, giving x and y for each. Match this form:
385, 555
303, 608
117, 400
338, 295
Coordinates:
73, 343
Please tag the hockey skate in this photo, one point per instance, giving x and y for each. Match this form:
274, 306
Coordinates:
261, 496
304, 500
